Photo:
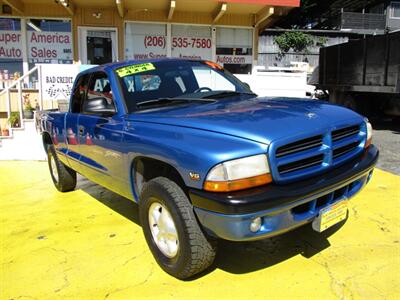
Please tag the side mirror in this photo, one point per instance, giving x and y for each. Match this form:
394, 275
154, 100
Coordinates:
98, 106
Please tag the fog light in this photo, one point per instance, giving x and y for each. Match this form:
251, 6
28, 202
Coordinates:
255, 225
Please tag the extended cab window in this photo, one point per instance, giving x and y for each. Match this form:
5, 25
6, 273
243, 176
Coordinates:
99, 98
79, 93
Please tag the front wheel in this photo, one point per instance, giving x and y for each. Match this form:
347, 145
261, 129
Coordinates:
171, 229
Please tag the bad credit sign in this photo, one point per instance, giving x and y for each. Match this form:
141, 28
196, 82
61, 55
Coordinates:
57, 80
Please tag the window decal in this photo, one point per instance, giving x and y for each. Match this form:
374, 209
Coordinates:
133, 69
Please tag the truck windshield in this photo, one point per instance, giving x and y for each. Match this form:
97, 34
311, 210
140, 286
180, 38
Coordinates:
174, 79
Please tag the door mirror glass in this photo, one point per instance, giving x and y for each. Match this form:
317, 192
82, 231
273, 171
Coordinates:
98, 105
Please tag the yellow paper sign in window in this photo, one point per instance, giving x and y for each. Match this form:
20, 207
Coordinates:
133, 69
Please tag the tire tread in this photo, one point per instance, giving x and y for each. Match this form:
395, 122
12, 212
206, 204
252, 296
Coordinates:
203, 249
66, 176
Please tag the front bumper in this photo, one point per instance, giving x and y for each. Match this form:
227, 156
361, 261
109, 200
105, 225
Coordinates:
282, 207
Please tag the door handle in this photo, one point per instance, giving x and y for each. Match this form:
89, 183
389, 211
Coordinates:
81, 130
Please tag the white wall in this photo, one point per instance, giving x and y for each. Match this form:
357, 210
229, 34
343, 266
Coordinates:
276, 83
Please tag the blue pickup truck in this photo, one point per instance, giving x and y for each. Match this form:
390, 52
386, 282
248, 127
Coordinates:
205, 158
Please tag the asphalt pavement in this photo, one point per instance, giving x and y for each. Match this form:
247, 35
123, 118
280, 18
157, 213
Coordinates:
387, 138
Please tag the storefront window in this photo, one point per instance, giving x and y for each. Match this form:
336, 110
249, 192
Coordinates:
190, 41
235, 49
145, 41
49, 41
10, 50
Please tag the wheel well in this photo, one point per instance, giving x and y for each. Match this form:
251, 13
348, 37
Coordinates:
46, 140
144, 169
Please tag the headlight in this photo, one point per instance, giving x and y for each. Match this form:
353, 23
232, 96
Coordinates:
238, 174
369, 134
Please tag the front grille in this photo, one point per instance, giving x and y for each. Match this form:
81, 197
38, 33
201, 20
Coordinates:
345, 132
315, 205
345, 149
309, 143
312, 154
301, 164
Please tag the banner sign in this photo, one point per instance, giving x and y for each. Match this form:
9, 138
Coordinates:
234, 59
154, 46
49, 45
147, 41
140, 46
191, 47
42, 46
10, 44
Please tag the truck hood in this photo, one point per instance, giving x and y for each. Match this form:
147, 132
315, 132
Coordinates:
259, 119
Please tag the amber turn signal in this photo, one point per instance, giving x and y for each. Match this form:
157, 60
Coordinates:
367, 143
239, 184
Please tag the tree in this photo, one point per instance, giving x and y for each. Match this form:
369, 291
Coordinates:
296, 40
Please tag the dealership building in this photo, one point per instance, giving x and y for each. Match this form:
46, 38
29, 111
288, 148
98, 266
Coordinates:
102, 31
45, 43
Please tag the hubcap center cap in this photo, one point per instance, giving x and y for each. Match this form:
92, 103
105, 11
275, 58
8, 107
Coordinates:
163, 230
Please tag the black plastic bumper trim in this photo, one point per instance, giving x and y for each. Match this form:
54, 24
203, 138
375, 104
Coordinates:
274, 196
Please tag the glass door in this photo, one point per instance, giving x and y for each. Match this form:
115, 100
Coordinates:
98, 45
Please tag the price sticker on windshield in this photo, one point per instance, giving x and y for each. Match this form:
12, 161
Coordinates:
134, 69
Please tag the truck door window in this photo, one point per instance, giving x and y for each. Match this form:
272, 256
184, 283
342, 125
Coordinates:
99, 95
78, 94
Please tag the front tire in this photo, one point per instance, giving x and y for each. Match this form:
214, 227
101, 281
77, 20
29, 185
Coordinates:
64, 178
171, 229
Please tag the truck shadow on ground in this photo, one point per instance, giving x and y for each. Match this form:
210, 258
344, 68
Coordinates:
244, 257
232, 257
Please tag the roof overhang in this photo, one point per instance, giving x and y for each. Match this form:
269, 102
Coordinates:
287, 3
252, 13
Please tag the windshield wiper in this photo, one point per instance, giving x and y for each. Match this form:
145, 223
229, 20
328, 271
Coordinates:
223, 94
161, 101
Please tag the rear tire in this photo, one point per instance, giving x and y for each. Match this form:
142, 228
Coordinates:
194, 251
64, 178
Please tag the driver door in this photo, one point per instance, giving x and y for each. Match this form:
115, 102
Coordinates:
99, 132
